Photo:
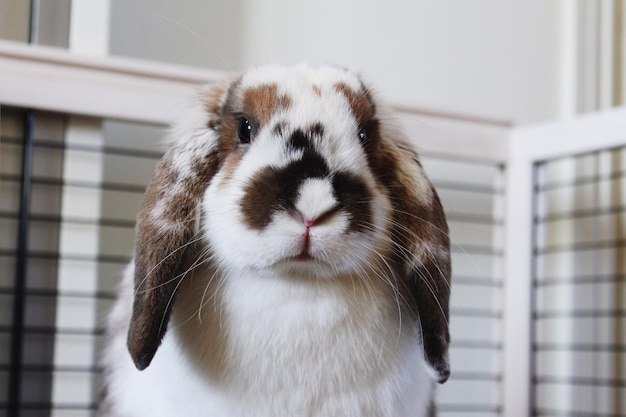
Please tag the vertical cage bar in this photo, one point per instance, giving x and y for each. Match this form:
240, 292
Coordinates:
19, 297
532, 397
33, 32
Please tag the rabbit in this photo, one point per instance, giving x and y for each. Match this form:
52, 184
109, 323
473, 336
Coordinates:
292, 259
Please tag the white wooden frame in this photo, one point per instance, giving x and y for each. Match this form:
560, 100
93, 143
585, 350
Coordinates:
55, 80
528, 146
128, 89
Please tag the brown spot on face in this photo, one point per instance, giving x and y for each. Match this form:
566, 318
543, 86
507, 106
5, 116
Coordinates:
317, 90
361, 104
228, 136
263, 102
364, 110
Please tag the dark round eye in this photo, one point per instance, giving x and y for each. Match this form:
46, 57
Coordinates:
245, 131
362, 135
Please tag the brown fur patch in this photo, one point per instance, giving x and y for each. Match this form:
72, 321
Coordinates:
360, 102
195, 316
212, 99
160, 243
421, 230
263, 102
228, 133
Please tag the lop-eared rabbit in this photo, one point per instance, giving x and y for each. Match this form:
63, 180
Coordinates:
292, 259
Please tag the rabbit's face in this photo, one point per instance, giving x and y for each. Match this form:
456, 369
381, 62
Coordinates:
296, 190
294, 171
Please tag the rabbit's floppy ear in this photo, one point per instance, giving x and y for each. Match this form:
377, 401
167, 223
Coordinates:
429, 282
166, 221
420, 236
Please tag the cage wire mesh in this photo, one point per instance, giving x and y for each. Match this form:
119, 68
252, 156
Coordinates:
579, 286
88, 178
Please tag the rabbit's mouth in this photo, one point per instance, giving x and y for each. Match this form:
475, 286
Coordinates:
304, 256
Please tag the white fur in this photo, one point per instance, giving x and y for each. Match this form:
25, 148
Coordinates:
304, 334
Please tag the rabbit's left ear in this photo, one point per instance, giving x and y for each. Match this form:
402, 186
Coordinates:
420, 236
429, 284
166, 221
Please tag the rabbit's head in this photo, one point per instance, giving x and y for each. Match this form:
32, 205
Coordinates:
295, 171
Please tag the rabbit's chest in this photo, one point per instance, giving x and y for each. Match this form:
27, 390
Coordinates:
281, 348
311, 340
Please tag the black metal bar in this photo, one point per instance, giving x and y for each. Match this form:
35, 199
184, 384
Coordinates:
113, 259
580, 314
57, 219
33, 29
580, 280
532, 398
17, 336
581, 347
547, 412
110, 186
583, 180
101, 150
19, 297
47, 406
47, 330
581, 381
582, 213
595, 245
46, 292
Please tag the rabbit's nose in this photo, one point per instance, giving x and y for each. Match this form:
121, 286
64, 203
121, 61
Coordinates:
315, 203
309, 222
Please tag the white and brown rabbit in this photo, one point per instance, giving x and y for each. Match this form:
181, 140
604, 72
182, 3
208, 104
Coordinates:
292, 259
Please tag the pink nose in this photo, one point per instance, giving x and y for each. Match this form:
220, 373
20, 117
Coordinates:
314, 220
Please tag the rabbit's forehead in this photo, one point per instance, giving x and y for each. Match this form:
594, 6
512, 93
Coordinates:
304, 95
299, 77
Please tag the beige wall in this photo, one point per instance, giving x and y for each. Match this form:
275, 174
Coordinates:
490, 58
204, 33
52, 17
14, 18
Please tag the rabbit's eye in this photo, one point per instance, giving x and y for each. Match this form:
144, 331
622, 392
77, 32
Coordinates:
245, 131
362, 135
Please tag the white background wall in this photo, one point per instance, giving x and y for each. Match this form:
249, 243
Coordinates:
488, 58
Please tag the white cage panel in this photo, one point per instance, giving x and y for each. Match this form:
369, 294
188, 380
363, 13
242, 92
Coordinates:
580, 286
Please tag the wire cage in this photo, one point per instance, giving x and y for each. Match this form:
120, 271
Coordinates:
578, 285
67, 213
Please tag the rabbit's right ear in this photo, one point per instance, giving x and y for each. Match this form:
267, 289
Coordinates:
166, 221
